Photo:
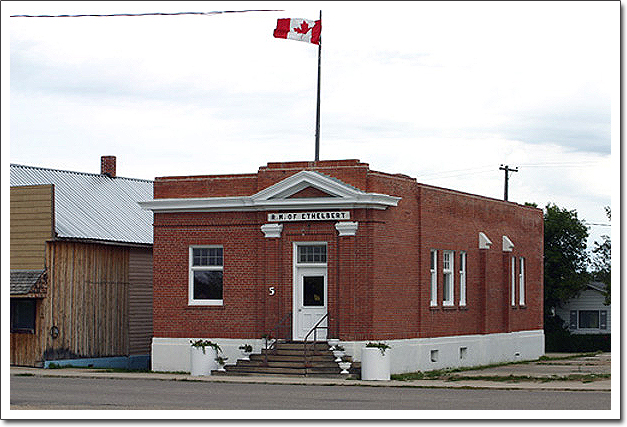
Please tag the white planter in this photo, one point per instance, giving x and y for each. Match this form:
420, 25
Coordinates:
374, 365
245, 355
203, 363
338, 355
344, 366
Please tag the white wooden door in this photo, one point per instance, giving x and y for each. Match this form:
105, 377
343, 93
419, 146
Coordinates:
310, 301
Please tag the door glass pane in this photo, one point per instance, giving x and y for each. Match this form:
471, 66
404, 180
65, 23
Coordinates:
313, 291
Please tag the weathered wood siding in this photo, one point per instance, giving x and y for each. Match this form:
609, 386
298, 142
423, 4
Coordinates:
140, 301
25, 347
88, 287
31, 224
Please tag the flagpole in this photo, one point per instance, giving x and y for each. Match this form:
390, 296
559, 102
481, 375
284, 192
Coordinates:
318, 100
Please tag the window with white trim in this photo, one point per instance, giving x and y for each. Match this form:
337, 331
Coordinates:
513, 279
312, 254
447, 277
521, 281
462, 278
206, 267
434, 277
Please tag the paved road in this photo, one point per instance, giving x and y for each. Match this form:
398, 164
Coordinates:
94, 393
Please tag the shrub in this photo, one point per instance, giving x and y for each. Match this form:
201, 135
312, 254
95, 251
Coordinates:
558, 341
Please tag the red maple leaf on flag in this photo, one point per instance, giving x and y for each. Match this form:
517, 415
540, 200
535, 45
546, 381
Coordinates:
304, 28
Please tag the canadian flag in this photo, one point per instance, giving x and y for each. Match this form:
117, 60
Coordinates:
298, 29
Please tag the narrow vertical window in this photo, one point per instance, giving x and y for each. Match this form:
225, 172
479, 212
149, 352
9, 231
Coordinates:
462, 279
434, 277
447, 277
521, 282
513, 279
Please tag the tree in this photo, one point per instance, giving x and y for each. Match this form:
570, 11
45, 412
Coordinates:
565, 256
601, 262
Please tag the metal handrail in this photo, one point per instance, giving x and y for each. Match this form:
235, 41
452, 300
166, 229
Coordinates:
314, 330
269, 336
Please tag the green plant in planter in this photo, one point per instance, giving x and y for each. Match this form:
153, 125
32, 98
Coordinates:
246, 348
338, 348
380, 345
205, 343
221, 360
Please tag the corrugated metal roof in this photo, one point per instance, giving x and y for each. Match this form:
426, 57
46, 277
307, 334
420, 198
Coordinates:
93, 206
22, 281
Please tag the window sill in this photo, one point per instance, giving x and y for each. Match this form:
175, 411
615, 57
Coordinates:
449, 308
209, 303
23, 331
463, 307
434, 308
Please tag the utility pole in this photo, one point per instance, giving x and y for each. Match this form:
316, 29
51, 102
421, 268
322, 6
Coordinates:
507, 170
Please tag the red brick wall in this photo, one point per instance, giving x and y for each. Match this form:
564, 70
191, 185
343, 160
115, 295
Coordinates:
378, 281
452, 221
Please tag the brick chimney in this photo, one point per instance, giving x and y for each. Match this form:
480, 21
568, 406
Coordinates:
107, 166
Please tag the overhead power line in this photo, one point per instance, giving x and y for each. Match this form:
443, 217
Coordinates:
216, 12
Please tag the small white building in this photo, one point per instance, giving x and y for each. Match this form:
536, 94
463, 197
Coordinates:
587, 313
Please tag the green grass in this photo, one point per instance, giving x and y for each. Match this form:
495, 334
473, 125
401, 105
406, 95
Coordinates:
572, 356
447, 374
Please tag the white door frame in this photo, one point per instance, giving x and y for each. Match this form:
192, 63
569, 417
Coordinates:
314, 269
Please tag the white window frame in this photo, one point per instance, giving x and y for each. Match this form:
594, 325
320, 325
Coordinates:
190, 291
434, 277
513, 279
463, 259
521, 281
448, 293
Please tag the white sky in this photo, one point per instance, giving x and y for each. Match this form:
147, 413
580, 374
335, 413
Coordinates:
444, 92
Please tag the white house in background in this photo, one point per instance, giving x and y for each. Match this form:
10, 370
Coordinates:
587, 314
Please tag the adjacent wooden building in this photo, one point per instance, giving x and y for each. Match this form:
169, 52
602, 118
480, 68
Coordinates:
81, 267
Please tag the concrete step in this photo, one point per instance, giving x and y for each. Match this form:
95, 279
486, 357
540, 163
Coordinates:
292, 357
298, 345
234, 369
274, 374
297, 352
288, 359
287, 364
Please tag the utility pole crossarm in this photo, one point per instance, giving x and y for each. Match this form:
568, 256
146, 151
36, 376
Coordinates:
507, 169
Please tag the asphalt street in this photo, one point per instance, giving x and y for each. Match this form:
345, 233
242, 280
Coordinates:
35, 392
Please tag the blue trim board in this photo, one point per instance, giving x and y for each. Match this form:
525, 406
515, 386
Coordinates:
120, 362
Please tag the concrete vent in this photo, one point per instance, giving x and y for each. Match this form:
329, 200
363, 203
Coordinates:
107, 166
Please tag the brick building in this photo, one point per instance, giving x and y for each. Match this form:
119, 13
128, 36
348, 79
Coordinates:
445, 278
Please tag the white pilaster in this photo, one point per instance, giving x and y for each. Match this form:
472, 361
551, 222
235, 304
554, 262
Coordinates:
346, 228
272, 230
484, 242
508, 245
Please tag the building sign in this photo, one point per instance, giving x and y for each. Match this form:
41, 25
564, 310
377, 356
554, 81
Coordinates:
309, 216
